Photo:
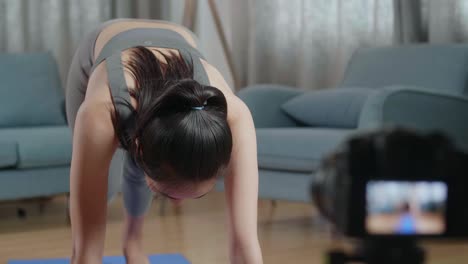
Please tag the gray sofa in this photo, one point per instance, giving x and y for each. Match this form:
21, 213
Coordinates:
35, 142
419, 86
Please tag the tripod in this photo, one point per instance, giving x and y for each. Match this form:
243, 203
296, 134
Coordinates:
189, 19
388, 251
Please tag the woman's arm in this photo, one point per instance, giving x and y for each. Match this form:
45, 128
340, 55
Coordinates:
241, 186
94, 144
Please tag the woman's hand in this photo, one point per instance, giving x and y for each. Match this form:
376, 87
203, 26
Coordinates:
85, 260
246, 253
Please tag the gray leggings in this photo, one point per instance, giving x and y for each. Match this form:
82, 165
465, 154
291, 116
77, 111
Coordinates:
137, 196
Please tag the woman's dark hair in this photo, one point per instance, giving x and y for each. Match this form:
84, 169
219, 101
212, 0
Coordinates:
170, 139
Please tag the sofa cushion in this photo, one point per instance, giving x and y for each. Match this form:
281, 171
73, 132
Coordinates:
296, 149
30, 93
40, 146
338, 108
8, 154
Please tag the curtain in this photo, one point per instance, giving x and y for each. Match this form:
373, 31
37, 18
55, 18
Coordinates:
303, 43
58, 25
308, 43
443, 21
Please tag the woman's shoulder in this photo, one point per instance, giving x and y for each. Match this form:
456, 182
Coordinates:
94, 126
236, 107
216, 78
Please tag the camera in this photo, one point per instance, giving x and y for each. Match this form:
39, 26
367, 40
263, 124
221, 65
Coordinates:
395, 182
395, 185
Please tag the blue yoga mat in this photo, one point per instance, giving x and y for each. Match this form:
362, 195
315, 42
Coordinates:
156, 259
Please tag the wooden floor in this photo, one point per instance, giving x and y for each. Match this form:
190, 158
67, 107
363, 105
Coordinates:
287, 233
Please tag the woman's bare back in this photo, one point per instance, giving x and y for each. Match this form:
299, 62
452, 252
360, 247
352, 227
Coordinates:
98, 78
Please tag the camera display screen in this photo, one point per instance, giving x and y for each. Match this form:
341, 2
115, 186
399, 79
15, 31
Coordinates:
406, 207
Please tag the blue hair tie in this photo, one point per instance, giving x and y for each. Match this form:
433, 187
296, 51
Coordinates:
200, 107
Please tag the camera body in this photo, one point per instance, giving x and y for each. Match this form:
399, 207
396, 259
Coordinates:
395, 183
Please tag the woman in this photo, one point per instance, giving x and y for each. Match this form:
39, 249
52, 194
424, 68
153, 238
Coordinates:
142, 86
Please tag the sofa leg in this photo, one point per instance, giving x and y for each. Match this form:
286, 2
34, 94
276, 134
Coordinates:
21, 213
41, 207
274, 204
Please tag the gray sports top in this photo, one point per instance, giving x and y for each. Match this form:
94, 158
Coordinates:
148, 37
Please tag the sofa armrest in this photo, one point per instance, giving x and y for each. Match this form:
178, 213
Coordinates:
264, 102
417, 108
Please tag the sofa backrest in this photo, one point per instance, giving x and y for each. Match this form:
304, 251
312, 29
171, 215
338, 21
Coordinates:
424, 65
30, 90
